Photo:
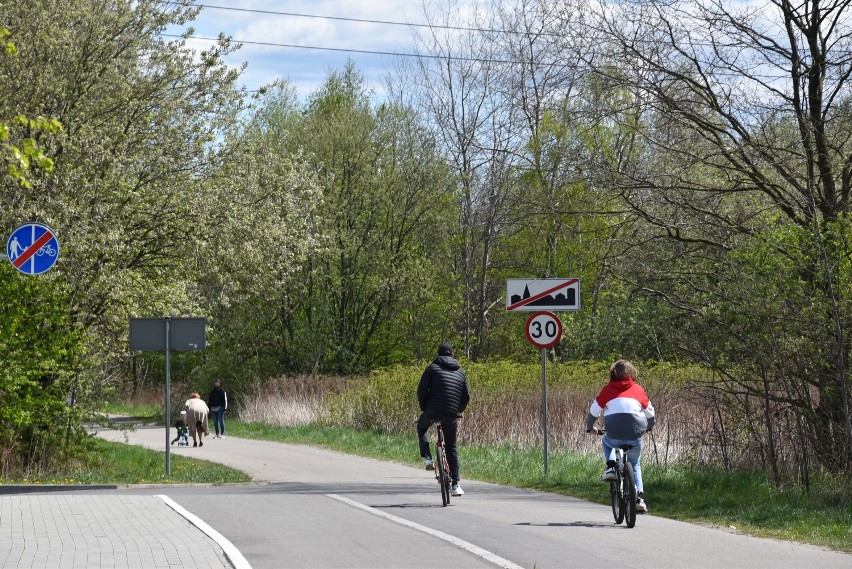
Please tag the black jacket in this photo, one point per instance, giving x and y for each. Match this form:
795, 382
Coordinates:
217, 398
443, 391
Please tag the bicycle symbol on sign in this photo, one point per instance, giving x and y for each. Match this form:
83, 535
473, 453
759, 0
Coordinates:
48, 250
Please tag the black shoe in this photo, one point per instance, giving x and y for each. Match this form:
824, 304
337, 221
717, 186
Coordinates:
195, 444
201, 444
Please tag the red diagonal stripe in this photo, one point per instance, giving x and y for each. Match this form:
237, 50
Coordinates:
533, 298
33, 249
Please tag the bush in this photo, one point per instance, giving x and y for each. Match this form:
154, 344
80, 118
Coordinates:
41, 353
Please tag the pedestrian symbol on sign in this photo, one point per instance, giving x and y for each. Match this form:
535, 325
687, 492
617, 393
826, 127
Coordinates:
33, 248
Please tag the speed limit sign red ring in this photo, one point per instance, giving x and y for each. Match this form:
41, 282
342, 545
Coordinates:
544, 329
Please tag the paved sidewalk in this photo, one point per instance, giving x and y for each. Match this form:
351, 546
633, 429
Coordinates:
98, 531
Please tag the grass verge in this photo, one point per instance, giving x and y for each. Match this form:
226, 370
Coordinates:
119, 463
139, 413
744, 502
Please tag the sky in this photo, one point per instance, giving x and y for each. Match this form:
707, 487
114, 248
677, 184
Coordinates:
344, 29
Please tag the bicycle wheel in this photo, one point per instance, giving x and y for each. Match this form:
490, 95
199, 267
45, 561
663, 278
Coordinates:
615, 494
629, 495
443, 475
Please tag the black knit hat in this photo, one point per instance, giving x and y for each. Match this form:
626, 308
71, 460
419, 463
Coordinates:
445, 349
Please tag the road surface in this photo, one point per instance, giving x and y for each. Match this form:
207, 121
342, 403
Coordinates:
316, 508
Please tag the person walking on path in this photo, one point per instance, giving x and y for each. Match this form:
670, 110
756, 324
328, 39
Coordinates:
217, 401
197, 413
443, 393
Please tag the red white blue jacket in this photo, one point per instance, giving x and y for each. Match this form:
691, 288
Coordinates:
626, 409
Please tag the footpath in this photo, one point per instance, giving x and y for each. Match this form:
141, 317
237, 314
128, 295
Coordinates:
59, 527
51, 529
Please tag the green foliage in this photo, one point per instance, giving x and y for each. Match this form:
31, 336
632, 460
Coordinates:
19, 157
41, 351
322, 261
387, 399
124, 184
118, 463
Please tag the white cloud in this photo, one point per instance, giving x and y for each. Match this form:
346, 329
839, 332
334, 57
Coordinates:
307, 68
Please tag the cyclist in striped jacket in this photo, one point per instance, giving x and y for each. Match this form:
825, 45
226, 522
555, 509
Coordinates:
628, 414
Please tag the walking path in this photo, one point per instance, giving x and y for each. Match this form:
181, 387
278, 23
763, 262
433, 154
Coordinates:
54, 530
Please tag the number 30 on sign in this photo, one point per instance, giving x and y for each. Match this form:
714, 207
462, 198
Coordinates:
544, 329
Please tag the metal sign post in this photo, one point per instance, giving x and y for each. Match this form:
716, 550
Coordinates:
168, 398
544, 330
167, 334
544, 402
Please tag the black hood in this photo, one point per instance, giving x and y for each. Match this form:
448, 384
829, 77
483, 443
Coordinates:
448, 362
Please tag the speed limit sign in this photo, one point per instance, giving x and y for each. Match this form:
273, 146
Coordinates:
544, 329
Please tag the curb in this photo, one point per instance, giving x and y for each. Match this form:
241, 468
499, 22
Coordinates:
33, 488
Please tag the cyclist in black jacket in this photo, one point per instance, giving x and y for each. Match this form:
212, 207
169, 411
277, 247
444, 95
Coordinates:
443, 394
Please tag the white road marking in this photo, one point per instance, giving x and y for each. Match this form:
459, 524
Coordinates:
487, 555
232, 553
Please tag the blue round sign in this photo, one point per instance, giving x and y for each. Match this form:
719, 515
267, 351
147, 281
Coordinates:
33, 248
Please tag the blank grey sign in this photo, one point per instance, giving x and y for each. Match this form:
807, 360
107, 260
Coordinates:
148, 334
185, 334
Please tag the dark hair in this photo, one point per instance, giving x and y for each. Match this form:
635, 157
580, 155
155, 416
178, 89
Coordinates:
445, 350
622, 369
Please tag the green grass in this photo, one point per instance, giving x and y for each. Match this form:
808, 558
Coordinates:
140, 413
118, 463
744, 501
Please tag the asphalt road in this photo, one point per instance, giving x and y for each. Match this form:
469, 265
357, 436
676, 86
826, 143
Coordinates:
313, 508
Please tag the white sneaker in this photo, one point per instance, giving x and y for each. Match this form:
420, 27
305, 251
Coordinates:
609, 474
457, 491
429, 464
640, 506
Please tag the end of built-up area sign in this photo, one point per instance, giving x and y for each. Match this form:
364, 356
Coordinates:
534, 295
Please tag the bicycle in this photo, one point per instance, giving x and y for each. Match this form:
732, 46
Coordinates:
442, 467
622, 490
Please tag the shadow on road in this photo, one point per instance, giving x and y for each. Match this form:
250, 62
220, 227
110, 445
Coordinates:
572, 524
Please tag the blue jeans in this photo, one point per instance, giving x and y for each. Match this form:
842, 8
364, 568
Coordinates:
219, 420
632, 455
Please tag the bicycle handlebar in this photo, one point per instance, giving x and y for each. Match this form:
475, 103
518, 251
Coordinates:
603, 431
435, 421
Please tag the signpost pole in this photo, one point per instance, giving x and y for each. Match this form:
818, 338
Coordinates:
543, 329
168, 401
167, 334
544, 401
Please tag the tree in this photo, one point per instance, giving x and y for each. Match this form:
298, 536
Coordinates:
141, 115
458, 83
20, 156
357, 193
257, 244
745, 131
